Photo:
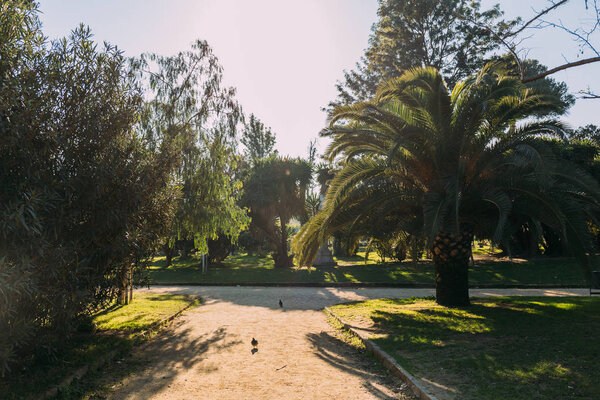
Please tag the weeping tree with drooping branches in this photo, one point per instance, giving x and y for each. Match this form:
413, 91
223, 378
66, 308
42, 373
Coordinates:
454, 164
192, 113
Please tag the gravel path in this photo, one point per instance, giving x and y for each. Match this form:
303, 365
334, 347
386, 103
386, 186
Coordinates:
206, 353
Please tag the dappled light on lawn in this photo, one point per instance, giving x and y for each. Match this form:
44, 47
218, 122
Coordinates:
500, 348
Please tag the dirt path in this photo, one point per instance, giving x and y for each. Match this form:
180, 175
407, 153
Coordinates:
207, 354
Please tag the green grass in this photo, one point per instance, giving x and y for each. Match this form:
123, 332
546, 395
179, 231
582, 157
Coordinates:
254, 269
501, 348
146, 310
116, 330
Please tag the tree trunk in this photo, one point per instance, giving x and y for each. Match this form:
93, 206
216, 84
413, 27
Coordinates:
125, 294
130, 284
451, 253
168, 250
281, 256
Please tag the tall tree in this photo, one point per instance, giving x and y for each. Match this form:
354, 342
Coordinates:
275, 192
546, 85
413, 33
258, 139
461, 162
195, 117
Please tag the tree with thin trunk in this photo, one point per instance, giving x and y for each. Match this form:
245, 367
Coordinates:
458, 162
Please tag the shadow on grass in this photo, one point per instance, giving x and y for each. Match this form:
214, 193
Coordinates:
501, 348
355, 258
243, 268
191, 262
37, 378
165, 297
111, 308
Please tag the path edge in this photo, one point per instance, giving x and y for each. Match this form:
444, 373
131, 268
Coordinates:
388, 362
101, 361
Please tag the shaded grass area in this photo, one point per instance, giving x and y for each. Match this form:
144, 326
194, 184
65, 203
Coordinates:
242, 268
501, 348
116, 328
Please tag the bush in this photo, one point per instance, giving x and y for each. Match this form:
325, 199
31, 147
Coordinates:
219, 249
82, 198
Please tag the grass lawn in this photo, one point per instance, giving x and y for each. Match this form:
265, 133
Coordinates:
242, 268
501, 348
116, 328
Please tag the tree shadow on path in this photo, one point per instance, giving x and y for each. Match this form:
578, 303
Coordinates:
343, 357
155, 365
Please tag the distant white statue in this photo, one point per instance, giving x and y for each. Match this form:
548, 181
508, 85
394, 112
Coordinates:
324, 256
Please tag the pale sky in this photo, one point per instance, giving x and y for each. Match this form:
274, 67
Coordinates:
283, 56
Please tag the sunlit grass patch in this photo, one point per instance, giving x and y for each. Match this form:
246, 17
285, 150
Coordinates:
145, 310
499, 348
244, 268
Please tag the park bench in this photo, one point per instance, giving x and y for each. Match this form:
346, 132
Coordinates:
595, 285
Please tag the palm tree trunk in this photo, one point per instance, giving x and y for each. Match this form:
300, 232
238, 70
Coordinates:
280, 246
451, 253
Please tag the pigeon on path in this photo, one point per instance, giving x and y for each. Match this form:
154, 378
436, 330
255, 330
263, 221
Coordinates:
254, 342
280, 303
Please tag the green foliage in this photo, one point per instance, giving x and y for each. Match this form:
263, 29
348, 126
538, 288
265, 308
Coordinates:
219, 249
419, 159
589, 132
82, 198
258, 139
275, 192
194, 119
253, 244
420, 33
117, 325
547, 85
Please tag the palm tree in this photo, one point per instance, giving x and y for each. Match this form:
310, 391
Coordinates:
450, 164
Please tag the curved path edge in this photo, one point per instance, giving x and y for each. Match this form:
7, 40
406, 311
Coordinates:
388, 362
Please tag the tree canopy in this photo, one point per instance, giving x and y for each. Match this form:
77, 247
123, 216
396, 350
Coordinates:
275, 192
451, 164
258, 139
414, 33
192, 115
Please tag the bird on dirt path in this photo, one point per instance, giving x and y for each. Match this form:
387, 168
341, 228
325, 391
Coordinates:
254, 342
280, 303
